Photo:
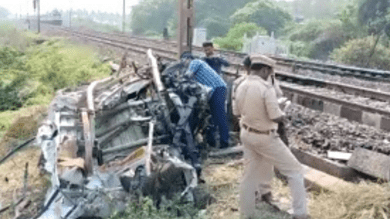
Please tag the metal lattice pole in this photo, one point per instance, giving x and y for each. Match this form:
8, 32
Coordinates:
124, 16
39, 15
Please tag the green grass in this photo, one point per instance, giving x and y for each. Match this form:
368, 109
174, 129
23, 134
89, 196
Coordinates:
6, 119
145, 209
82, 22
30, 74
6, 27
265, 211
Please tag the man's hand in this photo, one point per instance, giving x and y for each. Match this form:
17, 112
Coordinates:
279, 119
284, 103
188, 75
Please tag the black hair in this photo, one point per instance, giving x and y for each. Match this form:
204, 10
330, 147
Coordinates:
207, 44
258, 66
247, 61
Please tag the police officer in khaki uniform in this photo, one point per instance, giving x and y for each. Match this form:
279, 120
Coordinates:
266, 172
255, 101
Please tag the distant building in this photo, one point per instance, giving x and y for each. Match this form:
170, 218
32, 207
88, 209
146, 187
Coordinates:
263, 44
200, 36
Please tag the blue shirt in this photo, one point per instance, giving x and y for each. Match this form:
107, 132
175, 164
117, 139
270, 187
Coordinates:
216, 62
204, 74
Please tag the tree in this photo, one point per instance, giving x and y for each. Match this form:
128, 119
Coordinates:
374, 14
212, 15
152, 15
265, 14
370, 11
155, 15
4, 13
234, 38
316, 38
357, 51
350, 24
216, 26
318, 9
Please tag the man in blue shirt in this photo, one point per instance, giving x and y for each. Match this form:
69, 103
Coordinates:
201, 72
215, 62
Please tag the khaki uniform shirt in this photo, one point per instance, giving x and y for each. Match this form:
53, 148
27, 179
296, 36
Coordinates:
279, 92
238, 81
256, 102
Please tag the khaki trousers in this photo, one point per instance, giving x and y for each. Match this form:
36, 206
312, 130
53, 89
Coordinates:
261, 153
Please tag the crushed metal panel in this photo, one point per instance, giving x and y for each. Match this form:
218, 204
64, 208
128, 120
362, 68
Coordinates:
136, 87
119, 125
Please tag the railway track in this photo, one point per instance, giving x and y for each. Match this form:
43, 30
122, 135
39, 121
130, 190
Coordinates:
325, 68
363, 105
333, 69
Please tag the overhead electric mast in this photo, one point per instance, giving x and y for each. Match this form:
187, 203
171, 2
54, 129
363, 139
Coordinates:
186, 25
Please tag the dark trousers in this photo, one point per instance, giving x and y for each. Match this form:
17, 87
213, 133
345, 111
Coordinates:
218, 114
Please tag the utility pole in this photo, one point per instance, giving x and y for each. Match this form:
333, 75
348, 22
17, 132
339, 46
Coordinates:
70, 18
124, 16
27, 9
186, 25
39, 15
70, 13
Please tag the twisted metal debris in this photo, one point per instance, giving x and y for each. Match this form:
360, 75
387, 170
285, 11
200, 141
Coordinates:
107, 143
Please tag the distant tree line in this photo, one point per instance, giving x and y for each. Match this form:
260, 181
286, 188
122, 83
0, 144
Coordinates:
4, 13
97, 20
340, 30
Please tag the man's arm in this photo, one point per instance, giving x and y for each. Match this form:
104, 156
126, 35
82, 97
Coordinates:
275, 83
192, 69
223, 61
279, 119
237, 94
272, 106
279, 92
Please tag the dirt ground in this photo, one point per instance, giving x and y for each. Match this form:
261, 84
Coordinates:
12, 175
223, 180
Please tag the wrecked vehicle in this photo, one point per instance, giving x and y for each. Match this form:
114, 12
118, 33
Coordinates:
127, 135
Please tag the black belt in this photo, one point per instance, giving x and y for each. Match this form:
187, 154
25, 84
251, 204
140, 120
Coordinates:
249, 129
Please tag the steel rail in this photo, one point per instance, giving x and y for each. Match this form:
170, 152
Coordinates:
364, 73
284, 76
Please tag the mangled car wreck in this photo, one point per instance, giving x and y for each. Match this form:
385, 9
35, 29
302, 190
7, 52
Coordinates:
127, 135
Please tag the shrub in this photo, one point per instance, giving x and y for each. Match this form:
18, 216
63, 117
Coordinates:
12, 37
319, 38
299, 48
57, 66
307, 31
264, 13
9, 57
145, 209
18, 125
89, 23
25, 125
9, 99
216, 26
33, 77
356, 52
234, 38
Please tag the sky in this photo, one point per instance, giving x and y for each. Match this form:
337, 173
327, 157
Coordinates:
111, 6
26, 6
